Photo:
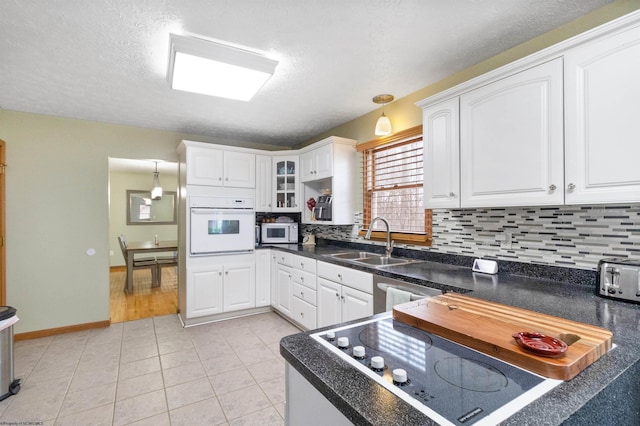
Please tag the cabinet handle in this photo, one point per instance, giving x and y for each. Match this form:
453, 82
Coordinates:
340, 277
302, 265
571, 187
451, 194
302, 294
227, 179
342, 297
338, 295
302, 314
552, 187
220, 273
226, 272
301, 279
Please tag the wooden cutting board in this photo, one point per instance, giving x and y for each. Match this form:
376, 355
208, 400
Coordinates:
488, 327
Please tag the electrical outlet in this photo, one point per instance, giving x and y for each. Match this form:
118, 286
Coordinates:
110, 252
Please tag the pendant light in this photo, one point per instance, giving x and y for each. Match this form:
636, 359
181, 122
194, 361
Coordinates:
156, 191
383, 126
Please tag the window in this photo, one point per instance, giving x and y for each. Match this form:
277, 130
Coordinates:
392, 176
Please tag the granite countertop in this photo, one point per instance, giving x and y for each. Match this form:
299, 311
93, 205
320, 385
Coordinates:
610, 384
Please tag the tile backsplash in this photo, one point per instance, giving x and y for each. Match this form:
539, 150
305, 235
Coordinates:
569, 236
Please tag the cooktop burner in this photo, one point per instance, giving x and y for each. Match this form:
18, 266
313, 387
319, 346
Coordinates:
450, 383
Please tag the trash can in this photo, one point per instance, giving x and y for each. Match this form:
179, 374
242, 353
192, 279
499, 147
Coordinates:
8, 384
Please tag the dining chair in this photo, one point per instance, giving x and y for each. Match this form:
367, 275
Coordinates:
165, 262
141, 263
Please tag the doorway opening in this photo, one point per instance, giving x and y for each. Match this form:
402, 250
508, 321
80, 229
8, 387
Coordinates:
148, 298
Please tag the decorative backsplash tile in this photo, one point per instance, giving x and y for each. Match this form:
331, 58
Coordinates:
570, 236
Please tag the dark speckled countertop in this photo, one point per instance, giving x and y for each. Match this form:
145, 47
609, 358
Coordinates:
605, 393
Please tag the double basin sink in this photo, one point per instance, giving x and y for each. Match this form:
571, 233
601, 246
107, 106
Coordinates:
371, 259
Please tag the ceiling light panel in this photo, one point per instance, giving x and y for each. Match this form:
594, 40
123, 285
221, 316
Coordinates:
211, 68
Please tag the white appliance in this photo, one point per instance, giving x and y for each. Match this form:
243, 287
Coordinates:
279, 233
221, 225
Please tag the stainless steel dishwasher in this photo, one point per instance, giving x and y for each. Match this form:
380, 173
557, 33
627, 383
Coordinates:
381, 284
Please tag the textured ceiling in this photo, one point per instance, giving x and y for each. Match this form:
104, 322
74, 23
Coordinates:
106, 60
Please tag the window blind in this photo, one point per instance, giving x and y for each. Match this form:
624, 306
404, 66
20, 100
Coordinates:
392, 185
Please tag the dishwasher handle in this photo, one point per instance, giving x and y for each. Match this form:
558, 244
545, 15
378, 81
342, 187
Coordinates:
420, 295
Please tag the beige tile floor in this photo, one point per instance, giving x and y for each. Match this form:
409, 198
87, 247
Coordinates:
154, 372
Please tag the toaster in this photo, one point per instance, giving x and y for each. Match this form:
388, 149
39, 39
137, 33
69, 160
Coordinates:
619, 278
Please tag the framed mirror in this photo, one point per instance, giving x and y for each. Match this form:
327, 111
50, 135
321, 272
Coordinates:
142, 210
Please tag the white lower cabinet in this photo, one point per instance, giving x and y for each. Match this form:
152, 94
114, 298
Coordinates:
284, 286
239, 287
304, 313
221, 284
304, 292
343, 294
263, 277
204, 291
306, 405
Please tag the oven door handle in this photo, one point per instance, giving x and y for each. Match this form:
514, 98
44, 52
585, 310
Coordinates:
204, 210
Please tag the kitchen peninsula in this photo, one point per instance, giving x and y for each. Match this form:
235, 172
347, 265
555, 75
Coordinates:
362, 401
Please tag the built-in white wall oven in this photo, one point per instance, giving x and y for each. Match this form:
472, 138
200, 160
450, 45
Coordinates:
221, 225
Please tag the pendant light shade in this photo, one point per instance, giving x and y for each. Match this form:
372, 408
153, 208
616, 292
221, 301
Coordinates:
156, 189
383, 125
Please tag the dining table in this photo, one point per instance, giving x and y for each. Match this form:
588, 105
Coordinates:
134, 248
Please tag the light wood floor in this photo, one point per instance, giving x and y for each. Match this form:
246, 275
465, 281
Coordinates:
145, 301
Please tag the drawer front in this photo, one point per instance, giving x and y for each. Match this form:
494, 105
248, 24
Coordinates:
304, 313
304, 264
284, 258
305, 278
305, 294
346, 276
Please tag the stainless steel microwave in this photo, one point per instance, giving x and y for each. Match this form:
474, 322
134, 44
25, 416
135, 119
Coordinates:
284, 233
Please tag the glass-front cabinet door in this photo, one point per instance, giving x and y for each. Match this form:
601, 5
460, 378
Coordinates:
285, 190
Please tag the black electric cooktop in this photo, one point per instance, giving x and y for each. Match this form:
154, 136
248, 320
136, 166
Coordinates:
450, 383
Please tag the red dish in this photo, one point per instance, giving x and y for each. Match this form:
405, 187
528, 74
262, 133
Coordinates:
540, 344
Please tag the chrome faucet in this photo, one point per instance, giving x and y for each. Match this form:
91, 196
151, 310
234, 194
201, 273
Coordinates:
389, 248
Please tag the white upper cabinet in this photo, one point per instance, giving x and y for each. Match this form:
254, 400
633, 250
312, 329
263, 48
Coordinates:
329, 167
239, 169
603, 127
317, 164
441, 155
218, 167
511, 140
264, 189
204, 166
285, 184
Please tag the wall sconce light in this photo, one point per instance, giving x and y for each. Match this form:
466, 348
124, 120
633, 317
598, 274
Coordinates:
383, 125
212, 68
156, 191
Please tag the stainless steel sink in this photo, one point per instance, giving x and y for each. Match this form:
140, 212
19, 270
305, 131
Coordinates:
355, 255
374, 260
382, 261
